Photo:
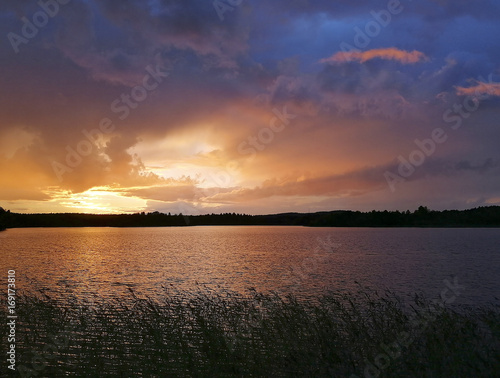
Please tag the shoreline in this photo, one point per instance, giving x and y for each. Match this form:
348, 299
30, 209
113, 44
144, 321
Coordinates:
481, 217
268, 225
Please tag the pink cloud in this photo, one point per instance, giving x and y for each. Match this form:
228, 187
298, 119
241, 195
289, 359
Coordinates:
492, 89
391, 53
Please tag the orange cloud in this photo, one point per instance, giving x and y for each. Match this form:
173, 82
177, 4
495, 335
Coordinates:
391, 53
352, 183
492, 89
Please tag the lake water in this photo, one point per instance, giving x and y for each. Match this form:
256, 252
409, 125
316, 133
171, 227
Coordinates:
299, 260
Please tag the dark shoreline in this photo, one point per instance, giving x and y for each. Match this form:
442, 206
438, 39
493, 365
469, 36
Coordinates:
260, 225
481, 217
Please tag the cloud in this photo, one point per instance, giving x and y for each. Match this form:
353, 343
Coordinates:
355, 183
65, 80
481, 88
391, 53
349, 184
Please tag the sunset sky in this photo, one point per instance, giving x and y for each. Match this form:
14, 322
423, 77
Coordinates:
248, 106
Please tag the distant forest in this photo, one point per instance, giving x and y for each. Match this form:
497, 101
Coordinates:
422, 217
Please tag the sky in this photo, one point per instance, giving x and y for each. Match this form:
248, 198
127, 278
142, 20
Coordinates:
248, 106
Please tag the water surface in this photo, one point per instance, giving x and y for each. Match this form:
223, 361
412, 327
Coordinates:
287, 259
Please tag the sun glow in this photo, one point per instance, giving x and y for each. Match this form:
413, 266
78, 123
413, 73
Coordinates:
187, 156
103, 200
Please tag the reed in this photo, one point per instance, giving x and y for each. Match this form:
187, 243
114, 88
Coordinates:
227, 334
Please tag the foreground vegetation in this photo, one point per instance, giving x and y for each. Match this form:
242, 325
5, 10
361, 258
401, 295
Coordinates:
263, 335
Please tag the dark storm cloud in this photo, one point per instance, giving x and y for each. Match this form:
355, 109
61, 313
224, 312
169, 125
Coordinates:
430, 9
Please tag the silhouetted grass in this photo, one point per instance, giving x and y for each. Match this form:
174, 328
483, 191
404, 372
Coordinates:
229, 334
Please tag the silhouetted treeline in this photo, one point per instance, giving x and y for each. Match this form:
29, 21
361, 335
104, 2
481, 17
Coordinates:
154, 219
422, 217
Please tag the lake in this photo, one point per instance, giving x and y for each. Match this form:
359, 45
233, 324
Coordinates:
286, 259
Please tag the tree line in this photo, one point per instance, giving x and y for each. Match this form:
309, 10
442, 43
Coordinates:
422, 217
